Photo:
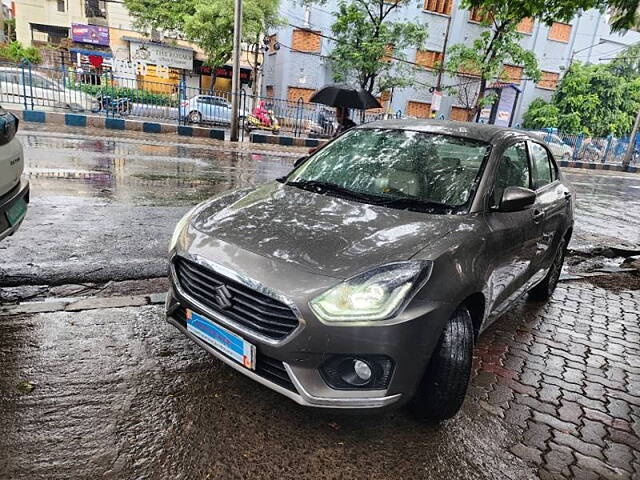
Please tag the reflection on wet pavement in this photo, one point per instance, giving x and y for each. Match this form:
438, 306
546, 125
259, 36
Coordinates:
126, 171
607, 209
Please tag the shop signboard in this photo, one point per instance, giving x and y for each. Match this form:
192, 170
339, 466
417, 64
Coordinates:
91, 34
161, 55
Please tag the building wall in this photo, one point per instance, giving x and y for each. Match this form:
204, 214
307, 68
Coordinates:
288, 68
45, 12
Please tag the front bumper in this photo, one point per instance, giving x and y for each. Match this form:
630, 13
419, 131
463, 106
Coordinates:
21, 191
301, 354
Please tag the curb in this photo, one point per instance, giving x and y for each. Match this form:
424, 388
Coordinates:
286, 141
81, 120
613, 167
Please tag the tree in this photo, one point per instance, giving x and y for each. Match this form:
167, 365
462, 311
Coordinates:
365, 40
591, 99
499, 42
207, 23
627, 62
485, 58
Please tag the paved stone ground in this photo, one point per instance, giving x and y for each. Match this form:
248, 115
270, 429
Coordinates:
566, 375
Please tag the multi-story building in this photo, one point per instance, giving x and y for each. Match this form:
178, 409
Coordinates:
298, 66
101, 33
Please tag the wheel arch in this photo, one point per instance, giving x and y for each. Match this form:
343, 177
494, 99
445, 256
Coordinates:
476, 305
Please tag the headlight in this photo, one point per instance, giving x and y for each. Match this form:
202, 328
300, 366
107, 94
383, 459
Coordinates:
372, 296
182, 223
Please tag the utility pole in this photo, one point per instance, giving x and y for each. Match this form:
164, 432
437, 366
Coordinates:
438, 87
632, 143
235, 80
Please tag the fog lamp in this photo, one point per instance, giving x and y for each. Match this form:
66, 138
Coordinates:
362, 372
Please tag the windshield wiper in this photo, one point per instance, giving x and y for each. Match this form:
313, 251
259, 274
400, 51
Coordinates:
415, 203
319, 186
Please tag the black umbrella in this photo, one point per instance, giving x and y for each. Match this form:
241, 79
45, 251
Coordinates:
347, 97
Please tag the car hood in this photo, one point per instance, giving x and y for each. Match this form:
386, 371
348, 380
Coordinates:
319, 233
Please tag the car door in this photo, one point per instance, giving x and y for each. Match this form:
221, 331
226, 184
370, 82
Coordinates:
552, 200
513, 236
205, 108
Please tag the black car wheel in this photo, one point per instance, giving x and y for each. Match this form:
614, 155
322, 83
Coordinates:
195, 117
546, 287
444, 385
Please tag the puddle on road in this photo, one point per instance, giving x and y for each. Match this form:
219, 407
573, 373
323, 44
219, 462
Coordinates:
140, 174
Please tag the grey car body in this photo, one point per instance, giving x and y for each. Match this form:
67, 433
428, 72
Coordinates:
291, 245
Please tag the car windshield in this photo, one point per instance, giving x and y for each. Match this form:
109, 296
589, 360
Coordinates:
397, 168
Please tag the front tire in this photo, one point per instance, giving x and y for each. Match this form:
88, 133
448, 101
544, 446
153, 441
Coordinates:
444, 385
547, 286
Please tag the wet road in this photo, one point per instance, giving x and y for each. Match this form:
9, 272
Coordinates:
120, 394
110, 202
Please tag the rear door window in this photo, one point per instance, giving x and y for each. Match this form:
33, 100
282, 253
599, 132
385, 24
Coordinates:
543, 172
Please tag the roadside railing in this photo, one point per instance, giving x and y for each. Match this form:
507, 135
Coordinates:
74, 90
588, 149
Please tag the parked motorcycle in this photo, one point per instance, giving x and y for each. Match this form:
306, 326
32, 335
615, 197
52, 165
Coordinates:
251, 122
115, 106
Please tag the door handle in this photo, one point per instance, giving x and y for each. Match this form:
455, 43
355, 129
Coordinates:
538, 215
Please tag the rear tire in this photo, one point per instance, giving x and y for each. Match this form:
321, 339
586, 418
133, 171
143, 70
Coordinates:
444, 385
195, 117
547, 286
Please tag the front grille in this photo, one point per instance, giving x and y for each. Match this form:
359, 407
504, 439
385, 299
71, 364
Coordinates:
267, 367
249, 308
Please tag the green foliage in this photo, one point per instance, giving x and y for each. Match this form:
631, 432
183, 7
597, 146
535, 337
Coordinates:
627, 62
364, 36
497, 45
541, 114
591, 99
136, 95
207, 23
16, 52
548, 11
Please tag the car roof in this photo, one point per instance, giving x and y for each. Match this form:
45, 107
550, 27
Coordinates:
475, 131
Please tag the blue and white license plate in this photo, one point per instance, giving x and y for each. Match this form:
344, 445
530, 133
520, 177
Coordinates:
222, 339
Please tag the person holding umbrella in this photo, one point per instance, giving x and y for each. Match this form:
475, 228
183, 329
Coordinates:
344, 122
343, 98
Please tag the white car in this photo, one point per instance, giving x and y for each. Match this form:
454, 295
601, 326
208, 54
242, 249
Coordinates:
36, 91
559, 149
14, 188
206, 108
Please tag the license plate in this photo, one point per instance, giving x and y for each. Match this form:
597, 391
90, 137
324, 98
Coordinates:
16, 211
222, 339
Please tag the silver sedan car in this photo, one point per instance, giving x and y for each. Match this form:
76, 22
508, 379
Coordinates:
362, 279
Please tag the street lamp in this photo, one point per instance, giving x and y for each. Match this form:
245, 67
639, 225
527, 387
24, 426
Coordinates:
235, 78
573, 53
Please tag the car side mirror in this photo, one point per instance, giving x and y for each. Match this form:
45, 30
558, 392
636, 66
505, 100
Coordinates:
515, 199
300, 161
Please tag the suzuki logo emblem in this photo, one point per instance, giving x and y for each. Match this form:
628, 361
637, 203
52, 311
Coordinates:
222, 297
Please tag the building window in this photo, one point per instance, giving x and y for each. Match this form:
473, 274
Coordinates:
549, 80
296, 93
95, 8
460, 114
478, 15
273, 39
525, 25
306, 41
512, 74
61, 5
418, 109
270, 93
438, 6
428, 58
48, 33
560, 32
